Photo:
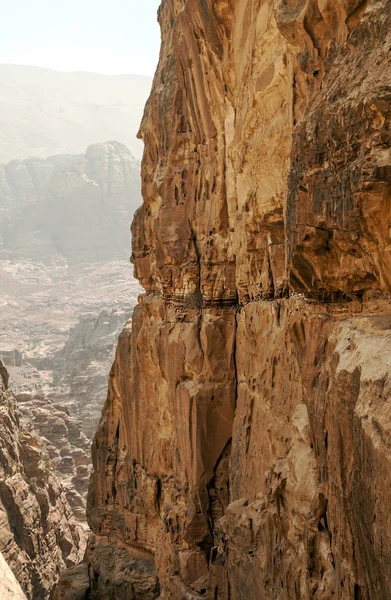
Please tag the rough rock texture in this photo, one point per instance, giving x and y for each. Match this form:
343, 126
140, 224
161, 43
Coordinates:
244, 449
66, 290
81, 364
38, 537
65, 338
9, 587
66, 411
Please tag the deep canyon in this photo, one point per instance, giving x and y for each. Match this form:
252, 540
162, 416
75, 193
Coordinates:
66, 291
244, 448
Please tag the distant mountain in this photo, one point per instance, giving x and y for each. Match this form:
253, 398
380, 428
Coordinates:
45, 112
72, 207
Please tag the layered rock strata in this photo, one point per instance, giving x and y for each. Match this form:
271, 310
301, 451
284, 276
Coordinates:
244, 449
38, 537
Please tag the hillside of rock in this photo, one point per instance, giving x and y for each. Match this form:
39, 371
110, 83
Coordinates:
62, 395
9, 586
244, 448
38, 537
58, 342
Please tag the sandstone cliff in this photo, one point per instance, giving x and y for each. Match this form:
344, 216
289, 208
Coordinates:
244, 449
38, 538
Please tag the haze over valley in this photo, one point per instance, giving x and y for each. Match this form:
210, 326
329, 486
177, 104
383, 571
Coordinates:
45, 112
68, 192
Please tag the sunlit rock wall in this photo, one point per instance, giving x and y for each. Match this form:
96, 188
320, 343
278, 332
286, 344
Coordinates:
244, 450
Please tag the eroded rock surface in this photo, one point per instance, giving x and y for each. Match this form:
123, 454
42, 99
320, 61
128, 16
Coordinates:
66, 411
9, 587
38, 536
244, 448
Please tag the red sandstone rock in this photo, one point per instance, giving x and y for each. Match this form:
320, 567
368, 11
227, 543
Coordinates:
245, 444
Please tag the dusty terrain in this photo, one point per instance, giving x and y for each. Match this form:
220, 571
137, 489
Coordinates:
58, 341
39, 537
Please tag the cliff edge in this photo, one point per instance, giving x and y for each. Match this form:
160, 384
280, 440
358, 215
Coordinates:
244, 449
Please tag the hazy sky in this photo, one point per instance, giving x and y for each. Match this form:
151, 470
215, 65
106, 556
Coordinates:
104, 36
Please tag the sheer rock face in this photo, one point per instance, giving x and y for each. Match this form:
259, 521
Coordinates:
244, 448
38, 538
338, 211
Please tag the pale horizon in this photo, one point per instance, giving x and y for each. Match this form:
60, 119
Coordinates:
74, 71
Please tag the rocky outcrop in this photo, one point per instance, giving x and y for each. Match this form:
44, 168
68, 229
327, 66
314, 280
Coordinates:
55, 419
84, 361
9, 587
66, 411
66, 344
244, 448
38, 538
65, 293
